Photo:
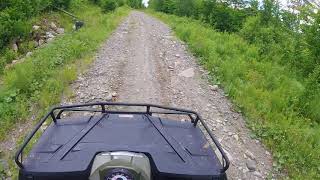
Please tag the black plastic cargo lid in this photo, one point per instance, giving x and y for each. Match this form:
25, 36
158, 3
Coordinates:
174, 147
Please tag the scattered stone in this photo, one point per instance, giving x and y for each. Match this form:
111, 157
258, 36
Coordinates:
267, 153
250, 155
49, 35
60, 30
114, 97
40, 42
214, 87
251, 165
49, 39
15, 47
109, 97
230, 133
236, 137
187, 73
53, 26
28, 54
14, 61
257, 174
53, 33
35, 27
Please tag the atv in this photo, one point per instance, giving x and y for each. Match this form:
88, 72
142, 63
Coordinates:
121, 141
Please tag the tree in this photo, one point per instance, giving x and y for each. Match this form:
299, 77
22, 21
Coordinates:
135, 3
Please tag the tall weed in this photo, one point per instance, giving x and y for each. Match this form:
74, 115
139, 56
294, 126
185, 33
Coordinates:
266, 92
40, 80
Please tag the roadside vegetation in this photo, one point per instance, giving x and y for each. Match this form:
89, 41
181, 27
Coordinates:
16, 17
268, 62
37, 83
111, 5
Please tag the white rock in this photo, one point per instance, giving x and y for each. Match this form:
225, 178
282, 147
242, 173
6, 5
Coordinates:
40, 42
15, 47
250, 155
14, 61
60, 30
28, 54
114, 94
35, 27
53, 26
49, 35
236, 137
214, 87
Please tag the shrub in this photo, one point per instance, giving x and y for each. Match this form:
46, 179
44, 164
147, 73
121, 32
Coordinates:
121, 3
108, 5
268, 93
14, 16
61, 3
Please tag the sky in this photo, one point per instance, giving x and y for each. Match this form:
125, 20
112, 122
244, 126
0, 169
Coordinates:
145, 2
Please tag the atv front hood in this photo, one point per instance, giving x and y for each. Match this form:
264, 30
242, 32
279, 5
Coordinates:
176, 149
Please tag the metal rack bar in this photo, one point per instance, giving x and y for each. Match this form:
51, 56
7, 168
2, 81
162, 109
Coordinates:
102, 105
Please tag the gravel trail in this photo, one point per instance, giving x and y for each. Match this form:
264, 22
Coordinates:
143, 62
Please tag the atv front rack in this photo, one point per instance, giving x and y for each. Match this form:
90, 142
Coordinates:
104, 108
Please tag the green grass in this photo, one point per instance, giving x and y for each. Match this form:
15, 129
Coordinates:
40, 80
32, 87
264, 91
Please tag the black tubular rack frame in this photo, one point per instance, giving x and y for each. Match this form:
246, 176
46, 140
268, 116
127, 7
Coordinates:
102, 105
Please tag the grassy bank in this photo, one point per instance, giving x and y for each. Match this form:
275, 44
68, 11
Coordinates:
263, 90
38, 82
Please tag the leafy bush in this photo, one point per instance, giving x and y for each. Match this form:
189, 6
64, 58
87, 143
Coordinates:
108, 5
121, 2
219, 15
61, 3
40, 80
14, 16
268, 93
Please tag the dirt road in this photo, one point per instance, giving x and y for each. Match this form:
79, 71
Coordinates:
143, 62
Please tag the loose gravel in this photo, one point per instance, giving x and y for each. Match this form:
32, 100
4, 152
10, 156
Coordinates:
144, 62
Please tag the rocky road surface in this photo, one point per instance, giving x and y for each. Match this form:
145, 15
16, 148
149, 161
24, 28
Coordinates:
143, 62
